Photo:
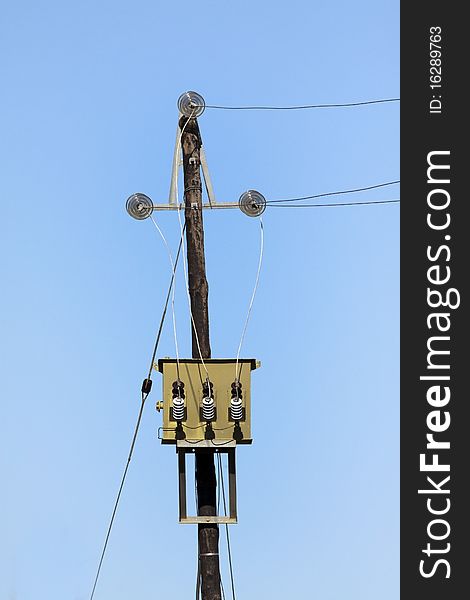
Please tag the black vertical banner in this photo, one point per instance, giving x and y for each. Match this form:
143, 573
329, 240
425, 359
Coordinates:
435, 257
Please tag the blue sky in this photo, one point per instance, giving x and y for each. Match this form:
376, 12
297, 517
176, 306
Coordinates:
88, 116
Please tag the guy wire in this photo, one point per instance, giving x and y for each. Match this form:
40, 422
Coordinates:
136, 430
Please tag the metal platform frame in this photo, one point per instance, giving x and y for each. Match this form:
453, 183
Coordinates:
182, 448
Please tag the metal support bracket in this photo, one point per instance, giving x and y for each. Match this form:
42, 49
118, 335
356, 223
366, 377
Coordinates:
207, 178
177, 163
184, 448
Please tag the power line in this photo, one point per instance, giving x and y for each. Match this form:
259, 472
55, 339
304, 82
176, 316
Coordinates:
144, 397
234, 205
173, 274
136, 430
305, 106
339, 193
283, 201
324, 205
250, 306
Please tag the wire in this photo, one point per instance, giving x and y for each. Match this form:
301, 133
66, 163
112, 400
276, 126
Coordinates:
335, 204
170, 287
222, 443
198, 577
163, 430
260, 261
284, 202
144, 397
134, 437
395, 200
227, 535
218, 486
173, 270
306, 106
214, 428
195, 442
199, 580
217, 513
222, 587
193, 323
323, 195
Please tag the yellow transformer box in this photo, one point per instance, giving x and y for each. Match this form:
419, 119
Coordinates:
206, 403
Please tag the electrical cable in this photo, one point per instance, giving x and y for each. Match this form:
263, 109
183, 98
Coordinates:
198, 578
136, 430
306, 106
144, 397
214, 428
364, 202
195, 442
222, 443
285, 201
222, 588
193, 323
170, 287
340, 193
260, 261
227, 535
217, 513
173, 270
361, 203
198, 575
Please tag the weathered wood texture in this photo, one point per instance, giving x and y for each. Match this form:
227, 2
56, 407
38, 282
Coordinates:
208, 534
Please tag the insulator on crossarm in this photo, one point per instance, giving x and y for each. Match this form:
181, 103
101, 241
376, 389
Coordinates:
252, 203
139, 206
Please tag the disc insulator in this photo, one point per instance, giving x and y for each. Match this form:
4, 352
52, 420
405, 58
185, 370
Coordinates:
252, 203
139, 206
191, 104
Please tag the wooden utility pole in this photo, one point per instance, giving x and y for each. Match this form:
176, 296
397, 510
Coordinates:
208, 534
